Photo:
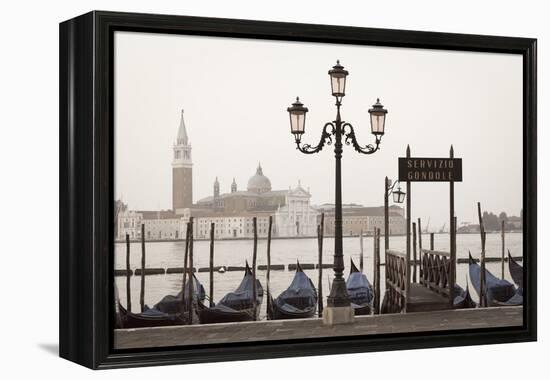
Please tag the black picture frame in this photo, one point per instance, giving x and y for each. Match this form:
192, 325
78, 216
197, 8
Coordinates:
86, 186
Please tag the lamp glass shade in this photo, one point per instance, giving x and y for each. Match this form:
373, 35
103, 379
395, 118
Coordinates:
398, 196
297, 113
377, 118
338, 80
338, 83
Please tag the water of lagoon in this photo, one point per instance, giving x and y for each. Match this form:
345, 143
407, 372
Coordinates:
284, 251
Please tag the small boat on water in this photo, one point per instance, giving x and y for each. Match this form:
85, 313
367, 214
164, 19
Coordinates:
167, 312
462, 299
299, 300
360, 291
516, 270
237, 306
498, 291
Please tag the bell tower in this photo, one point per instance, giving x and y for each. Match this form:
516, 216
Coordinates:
182, 171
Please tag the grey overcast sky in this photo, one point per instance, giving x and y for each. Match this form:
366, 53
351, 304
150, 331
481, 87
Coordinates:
235, 93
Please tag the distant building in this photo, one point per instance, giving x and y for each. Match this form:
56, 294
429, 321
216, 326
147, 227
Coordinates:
514, 223
232, 212
357, 218
129, 223
468, 229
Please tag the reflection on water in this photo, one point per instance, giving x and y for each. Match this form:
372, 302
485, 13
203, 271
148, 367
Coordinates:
283, 251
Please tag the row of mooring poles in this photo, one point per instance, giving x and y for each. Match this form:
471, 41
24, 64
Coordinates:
129, 271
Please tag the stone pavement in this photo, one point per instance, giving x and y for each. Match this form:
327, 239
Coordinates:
314, 328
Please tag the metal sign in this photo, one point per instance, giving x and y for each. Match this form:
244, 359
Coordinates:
422, 169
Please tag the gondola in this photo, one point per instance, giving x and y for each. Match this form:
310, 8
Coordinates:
462, 299
237, 306
516, 270
298, 301
497, 290
172, 304
515, 300
149, 318
359, 291
167, 312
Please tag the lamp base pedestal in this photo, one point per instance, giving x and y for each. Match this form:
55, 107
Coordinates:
338, 315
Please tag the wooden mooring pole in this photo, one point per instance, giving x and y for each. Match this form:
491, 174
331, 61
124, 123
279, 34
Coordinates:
376, 255
128, 291
482, 280
414, 251
420, 248
268, 274
502, 227
191, 275
452, 235
361, 251
184, 277
142, 293
211, 293
408, 250
320, 231
386, 215
254, 255
432, 241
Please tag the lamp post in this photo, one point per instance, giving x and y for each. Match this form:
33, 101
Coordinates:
339, 130
398, 197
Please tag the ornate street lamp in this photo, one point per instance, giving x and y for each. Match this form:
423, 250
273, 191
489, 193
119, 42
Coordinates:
398, 197
337, 129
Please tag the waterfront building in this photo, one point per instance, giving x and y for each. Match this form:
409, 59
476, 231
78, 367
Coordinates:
129, 223
357, 218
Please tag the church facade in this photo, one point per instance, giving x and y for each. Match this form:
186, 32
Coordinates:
233, 212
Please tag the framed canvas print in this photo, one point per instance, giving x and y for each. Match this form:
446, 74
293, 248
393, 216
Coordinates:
238, 189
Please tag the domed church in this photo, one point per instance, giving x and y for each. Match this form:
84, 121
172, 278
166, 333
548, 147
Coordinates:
257, 196
290, 208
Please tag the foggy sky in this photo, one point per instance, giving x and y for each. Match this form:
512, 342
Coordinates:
235, 93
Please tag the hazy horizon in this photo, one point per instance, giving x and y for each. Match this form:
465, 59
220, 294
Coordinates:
235, 93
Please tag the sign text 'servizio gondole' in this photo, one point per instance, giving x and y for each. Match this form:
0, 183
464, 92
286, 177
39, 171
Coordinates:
422, 169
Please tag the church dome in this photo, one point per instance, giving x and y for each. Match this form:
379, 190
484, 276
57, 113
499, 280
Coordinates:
259, 183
